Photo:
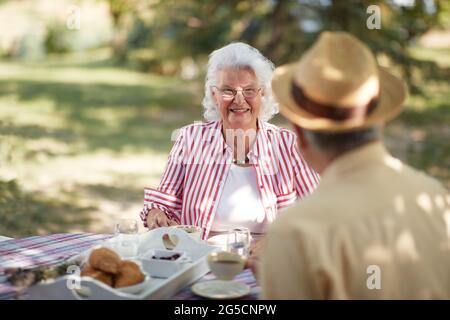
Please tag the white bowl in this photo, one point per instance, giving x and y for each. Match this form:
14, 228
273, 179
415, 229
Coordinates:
163, 268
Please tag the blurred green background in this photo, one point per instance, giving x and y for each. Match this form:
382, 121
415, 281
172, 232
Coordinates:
91, 92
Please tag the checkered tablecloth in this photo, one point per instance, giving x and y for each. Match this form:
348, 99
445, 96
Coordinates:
52, 249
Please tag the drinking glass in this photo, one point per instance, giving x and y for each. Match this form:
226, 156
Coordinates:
126, 237
238, 241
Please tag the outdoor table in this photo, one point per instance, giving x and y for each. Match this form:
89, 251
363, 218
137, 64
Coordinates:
39, 251
2, 238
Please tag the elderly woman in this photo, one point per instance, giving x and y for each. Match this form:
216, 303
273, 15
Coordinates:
236, 169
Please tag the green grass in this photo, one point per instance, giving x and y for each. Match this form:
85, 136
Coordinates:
79, 143
80, 138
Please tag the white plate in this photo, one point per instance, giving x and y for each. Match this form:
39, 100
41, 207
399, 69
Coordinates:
220, 289
159, 268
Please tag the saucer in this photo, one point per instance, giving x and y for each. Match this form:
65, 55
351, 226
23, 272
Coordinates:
220, 289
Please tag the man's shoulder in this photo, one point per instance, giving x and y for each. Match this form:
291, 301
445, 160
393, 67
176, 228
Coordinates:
423, 180
309, 213
327, 208
332, 207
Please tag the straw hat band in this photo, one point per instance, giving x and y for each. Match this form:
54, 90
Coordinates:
329, 111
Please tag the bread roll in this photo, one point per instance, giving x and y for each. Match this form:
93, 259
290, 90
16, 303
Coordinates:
89, 271
105, 259
129, 274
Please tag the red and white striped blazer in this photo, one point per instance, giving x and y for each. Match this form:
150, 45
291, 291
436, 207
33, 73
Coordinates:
198, 165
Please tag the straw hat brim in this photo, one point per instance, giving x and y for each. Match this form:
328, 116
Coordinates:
392, 95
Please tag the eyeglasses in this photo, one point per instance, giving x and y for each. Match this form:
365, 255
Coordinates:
229, 94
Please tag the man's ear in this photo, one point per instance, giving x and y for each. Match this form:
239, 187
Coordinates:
301, 140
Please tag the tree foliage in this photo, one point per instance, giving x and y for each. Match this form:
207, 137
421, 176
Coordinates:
167, 31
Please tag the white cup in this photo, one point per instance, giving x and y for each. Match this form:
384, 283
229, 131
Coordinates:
225, 265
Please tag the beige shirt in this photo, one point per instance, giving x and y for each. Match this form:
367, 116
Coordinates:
374, 229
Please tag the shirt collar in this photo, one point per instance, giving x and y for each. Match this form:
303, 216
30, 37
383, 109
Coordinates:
262, 142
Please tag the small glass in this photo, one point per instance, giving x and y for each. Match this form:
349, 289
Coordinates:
238, 241
126, 237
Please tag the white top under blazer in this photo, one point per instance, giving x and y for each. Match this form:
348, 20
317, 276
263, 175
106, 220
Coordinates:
240, 204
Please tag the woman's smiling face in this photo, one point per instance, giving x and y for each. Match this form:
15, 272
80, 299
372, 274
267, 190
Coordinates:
238, 112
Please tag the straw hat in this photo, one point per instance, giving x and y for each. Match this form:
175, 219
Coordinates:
337, 86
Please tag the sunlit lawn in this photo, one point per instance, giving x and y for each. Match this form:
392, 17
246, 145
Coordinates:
78, 144
81, 138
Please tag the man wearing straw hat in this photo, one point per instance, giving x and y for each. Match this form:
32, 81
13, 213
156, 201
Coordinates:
375, 228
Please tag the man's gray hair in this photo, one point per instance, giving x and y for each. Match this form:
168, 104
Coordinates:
337, 143
240, 56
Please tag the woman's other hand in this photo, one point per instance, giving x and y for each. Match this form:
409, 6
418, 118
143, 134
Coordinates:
157, 218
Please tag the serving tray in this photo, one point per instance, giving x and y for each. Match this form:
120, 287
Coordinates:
64, 288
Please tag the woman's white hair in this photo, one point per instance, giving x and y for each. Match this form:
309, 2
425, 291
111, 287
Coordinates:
238, 56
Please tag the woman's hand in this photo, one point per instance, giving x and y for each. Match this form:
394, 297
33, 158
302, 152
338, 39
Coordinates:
157, 218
